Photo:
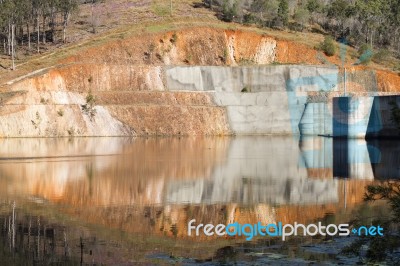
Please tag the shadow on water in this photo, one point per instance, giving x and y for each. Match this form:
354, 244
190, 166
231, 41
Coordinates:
131, 199
353, 158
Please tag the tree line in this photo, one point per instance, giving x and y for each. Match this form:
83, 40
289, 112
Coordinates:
32, 22
375, 23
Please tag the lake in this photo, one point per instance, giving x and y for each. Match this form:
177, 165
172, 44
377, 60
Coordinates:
126, 201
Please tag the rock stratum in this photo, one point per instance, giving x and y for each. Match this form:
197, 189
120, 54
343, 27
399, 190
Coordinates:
197, 81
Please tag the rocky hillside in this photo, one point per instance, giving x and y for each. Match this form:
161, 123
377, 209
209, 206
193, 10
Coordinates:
115, 83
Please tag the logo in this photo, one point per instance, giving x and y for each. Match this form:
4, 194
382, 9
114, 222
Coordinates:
280, 230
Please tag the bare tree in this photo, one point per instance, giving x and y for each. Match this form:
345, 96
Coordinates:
95, 16
67, 7
13, 46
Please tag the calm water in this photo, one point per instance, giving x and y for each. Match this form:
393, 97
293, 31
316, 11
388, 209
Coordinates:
121, 201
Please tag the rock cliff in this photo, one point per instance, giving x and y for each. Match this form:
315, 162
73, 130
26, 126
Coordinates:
145, 85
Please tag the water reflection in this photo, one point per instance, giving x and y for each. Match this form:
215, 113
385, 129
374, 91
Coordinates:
256, 170
154, 186
352, 158
241, 170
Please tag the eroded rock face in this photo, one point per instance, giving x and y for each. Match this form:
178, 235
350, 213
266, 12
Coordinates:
94, 77
173, 120
143, 86
190, 46
54, 114
56, 121
154, 100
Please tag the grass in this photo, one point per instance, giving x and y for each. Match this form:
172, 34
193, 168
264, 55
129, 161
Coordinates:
161, 10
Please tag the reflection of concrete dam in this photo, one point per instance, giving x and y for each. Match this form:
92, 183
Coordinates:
282, 171
253, 191
257, 170
285, 99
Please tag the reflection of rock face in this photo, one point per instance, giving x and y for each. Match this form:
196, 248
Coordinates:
146, 185
109, 171
241, 170
62, 147
45, 167
258, 170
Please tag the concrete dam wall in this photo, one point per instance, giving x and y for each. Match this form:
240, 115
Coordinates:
298, 100
258, 100
185, 100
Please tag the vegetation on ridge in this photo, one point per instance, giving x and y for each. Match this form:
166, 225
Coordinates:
120, 18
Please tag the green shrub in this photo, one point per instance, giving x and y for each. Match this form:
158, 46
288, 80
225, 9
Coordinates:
365, 54
328, 46
397, 68
250, 19
225, 55
363, 48
89, 107
60, 112
382, 55
174, 38
229, 11
71, 131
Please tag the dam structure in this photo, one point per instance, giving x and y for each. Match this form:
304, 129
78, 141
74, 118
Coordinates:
196, 100
291, 99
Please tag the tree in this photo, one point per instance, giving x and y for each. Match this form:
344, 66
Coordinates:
13, 45
36, 12
377, 249
27, 18
52, 11
5, 22
95, 17
372, 14
9, 14
283, 13
229, 10
339, 11
20, 19
314, 7
267, 9
394, 22
66, 7
302, 16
